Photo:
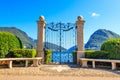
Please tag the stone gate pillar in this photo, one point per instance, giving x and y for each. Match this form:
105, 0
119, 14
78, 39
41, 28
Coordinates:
40, 36
80, 38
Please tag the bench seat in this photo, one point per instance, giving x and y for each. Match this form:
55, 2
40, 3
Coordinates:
10, 60
85, 60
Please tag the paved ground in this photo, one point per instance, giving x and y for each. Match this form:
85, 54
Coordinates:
58, 72
5, 77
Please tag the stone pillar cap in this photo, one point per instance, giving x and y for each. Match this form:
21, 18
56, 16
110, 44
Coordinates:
41, 21
42, 18
80, 21
80, 18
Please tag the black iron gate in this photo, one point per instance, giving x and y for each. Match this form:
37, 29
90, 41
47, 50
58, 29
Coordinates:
61, 39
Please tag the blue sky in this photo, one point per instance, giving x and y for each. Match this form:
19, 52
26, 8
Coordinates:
98, 14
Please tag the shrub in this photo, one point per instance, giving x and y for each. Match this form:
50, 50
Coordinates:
9, 42
22, 53
74, 53
47, 56
96, 54
113, 47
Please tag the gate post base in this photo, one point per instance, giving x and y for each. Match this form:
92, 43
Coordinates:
80, 54
41, 54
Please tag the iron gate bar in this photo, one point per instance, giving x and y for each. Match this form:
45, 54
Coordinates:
60, 27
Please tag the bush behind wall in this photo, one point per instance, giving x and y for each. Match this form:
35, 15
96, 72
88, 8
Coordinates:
47, 56
96, 54
22, 53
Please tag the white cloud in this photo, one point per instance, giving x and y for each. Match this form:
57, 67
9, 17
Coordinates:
95, 14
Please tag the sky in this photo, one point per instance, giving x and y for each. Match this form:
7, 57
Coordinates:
98, 14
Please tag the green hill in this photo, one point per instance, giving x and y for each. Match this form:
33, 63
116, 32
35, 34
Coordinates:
98, 37
21, 34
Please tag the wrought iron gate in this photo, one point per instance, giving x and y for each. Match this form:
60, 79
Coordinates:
61, 39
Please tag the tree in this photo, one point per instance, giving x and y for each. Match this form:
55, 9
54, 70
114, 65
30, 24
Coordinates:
113, 47
9, 42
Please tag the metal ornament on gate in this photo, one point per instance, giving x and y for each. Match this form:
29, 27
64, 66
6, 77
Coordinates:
61, 39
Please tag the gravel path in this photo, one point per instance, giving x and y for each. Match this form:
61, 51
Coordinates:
55, 78
51, 72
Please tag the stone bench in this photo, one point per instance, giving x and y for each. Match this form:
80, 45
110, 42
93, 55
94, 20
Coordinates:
9, 61
85, 60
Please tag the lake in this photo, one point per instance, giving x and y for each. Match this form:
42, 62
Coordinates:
63, 57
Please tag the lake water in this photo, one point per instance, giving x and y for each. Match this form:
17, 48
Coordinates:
63, 57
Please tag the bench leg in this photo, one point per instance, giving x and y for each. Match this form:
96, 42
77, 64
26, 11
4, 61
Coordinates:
40, 61
93, 64
10, 64
84, 64
35, 62
26, 63
113, 65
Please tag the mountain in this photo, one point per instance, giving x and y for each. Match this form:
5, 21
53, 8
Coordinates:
95, 41
98, 38
21, 34
52, 46
72, 49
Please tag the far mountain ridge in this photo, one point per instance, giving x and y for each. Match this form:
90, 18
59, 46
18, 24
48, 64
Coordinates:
95, 41
99, 37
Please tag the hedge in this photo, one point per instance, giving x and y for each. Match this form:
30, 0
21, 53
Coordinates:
113, 47
9, 42
22, 53
74, 53
96, 54
47, 56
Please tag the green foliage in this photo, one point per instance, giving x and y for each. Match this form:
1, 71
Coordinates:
22, 53
8, 42
96, 54
47, 56
113, 47
20, 34
74, 53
